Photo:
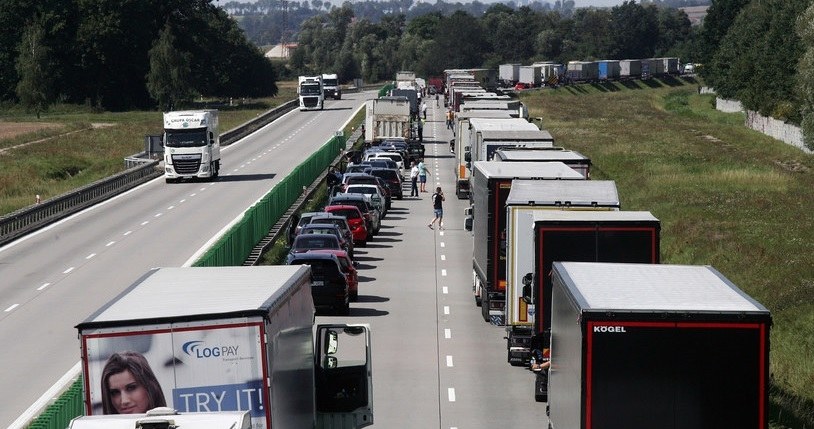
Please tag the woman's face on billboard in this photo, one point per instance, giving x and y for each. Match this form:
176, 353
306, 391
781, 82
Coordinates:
127, 395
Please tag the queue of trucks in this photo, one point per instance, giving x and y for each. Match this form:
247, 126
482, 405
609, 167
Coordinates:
614, 338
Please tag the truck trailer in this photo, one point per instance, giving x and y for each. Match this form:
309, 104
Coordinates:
491, 184
638, 346
531, 203
208, 339
386, 118
460, 131
191, 145
579, 162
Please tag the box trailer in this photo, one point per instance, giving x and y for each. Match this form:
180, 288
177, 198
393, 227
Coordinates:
630, 69
530, 75
460, 130
203, 339
509, 73
387, 118
608, 69
637, 346
579, 162
491, 184
533, 205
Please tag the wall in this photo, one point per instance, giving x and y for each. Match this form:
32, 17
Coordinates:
787, 133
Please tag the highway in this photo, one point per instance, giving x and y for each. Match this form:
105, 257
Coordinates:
436, 363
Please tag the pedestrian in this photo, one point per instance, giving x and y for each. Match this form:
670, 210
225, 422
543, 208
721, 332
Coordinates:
424, 109
420, 130
438, 208
414, 180
422, 175
450, 117
436, 100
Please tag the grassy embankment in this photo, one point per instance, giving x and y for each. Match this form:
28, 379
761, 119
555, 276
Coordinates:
65, 160
726, 196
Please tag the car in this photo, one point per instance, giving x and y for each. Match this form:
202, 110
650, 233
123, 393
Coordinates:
392, 178
329, 285
339, 221
358, 168
329, 228
371, 214
373, 191
393, 156
356, 220
349, 268
367, 179
304, 243
300, 220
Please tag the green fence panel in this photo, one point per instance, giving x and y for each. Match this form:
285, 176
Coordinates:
59, 414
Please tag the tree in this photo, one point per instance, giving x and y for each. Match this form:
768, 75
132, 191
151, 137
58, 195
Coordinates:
33, 67
720, 16
169, 78
805, 75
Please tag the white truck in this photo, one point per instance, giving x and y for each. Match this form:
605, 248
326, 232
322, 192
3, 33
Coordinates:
310, 92
330, 86
386, 118
165, 418
461, 133
191, 145
205, 339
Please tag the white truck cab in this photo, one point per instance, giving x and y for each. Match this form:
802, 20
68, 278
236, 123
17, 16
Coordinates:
191, 145
310, 92
330, 86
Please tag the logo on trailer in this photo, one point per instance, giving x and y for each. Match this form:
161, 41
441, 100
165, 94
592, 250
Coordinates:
198, 349
609, 329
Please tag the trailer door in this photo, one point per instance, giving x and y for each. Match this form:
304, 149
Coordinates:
344, 381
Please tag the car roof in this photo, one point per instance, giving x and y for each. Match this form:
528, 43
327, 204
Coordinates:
342, 207
327, 215
313, 236
320, 225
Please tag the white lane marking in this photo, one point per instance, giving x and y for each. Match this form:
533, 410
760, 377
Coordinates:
44, 286
443, 244
235, 170
192, 194
170, 207
444, 290
145, 222
182, 201
68, 270
12, 307
158, 214
443, 273
90, 256
447, 333
451, 393
443, 257
441, 233
449, 361
203, 189
446, 309
128, 233
110, 244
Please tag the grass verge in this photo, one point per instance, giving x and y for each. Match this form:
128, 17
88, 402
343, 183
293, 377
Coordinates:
727, 196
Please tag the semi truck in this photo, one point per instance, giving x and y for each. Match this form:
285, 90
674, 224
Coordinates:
386, 118
491, 184
484, 142
638, 346
533, 201
165, 418
311, 93
228, 339
330, 86
571, 158
191, 145
461, 134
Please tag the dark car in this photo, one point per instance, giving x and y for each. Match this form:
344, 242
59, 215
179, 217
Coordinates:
371, 214
339, 221
299, 220
304, 243
348, 268
358, 168
392, 178
329, 285
329, 228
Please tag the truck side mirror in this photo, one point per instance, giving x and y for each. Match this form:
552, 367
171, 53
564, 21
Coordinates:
331, 362
211, 138
332, 343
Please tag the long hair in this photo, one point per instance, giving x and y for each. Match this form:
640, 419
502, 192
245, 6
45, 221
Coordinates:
138, 366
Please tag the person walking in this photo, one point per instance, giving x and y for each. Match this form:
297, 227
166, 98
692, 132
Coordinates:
450, 117
422, 176
424, 109
438, 207
436, 100
414, 180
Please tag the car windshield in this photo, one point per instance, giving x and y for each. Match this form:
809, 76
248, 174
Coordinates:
320, 268
318, 230
310, 89
186, 138
348, 213
310, 241
367, 190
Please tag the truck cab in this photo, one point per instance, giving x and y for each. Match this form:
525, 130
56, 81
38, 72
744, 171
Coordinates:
191, 145
330, 86
311, 93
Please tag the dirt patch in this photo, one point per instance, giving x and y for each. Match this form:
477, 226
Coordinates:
13, 129
793, 166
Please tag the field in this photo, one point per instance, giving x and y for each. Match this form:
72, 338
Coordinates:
726, 196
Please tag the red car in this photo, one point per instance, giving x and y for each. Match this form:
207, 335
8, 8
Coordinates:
348, 268
355, 220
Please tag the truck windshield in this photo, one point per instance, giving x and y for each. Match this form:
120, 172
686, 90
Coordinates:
186, 138
330, 82
310, 89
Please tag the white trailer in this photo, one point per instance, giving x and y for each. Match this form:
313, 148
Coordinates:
207, 339
191, 145
461, 133
509, 73
387, 117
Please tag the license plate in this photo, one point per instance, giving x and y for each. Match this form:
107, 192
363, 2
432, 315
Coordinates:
318, 283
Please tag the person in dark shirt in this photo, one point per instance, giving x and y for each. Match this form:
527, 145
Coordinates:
438, 206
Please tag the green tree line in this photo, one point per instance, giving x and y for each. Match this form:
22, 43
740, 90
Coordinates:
124, 54
430, 43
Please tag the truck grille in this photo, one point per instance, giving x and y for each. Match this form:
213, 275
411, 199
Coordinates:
310, 101
186, 164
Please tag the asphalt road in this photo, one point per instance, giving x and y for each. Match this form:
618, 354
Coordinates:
436, 363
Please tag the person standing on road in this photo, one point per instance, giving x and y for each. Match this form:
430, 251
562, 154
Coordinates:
450, 117
436, 100
424, 109
422, 175
414, 180
438, 207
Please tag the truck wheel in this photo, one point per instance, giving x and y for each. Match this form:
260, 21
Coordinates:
477, 301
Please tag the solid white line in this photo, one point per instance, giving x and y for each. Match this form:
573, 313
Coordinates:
128, 233
90, 256
446, 309
44, 286
443, 257
12, 307
451, 393
447, 333
443, 273
68, 270
449, 361
444, 290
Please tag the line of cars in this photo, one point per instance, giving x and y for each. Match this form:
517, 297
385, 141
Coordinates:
358, 202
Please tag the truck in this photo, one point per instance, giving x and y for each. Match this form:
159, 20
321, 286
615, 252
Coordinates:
412, 95
491, 184
165, 418
509, 73
311, 93
330, 86
460, 128
579, 162
533, 201
387, 117
191, 145
640, 346
228, 339
530, 76
515, 107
